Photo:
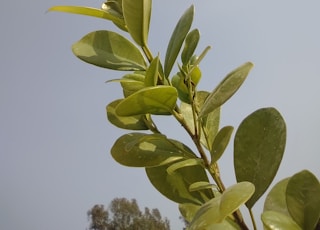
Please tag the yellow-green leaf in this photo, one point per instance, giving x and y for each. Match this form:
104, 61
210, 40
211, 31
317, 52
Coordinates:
159, 100
277, 221
137, 15
181, 30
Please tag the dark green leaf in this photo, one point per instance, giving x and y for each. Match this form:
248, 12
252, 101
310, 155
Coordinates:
277, 221
159, 100
276, 199
190, 45
181, 30
137, 15
220, 143
88, 11
258, 149
132, 122
146, 150
152, 72
229, 85
303, 199
109, 50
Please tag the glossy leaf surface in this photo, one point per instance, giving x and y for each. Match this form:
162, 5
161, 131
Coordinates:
176, 186
258, 149
303, 199
229, 85
146, 150
276, 198
158, 100
109, 50
277, 221
220, 143
137, 15
190, 45
129, 122
88, 11
180, 32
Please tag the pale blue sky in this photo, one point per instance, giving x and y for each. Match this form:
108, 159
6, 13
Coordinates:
54, 136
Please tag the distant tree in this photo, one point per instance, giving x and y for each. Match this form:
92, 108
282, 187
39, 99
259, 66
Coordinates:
126, 215
99, 218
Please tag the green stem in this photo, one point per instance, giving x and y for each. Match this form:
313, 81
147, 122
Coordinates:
148, 53
252, 219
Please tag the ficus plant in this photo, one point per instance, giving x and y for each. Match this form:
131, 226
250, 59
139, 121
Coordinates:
190, 177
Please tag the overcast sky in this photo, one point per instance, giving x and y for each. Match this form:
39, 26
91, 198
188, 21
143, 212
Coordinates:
54, 137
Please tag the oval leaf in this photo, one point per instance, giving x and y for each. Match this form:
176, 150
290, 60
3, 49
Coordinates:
276, 199
220, 143
276, 221
146, 150
109, 50
258, 149
132, 83
229, 85
234, 196
159, 100
137, 15
181, 30
190, 45
303, 199
132, 122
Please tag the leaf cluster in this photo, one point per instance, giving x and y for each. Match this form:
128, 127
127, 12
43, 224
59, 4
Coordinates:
192, 178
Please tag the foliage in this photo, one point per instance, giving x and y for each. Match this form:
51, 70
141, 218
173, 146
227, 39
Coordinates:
179, 173
126, 215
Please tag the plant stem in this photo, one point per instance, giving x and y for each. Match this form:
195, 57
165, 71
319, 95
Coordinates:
252, 219
148, 53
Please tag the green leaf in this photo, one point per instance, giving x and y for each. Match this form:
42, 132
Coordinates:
114, 7
181, 30
137, 17
152, 73
258, 149
275, 221
88, 11
303, 199
176, 186
110, 50
200, 185
190, 45
159, 100
188, 211
132, 122
276, 199
132, 83
214, 213
229, 85
185, 163
234, 196
210, 123
146, 150
220, 143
